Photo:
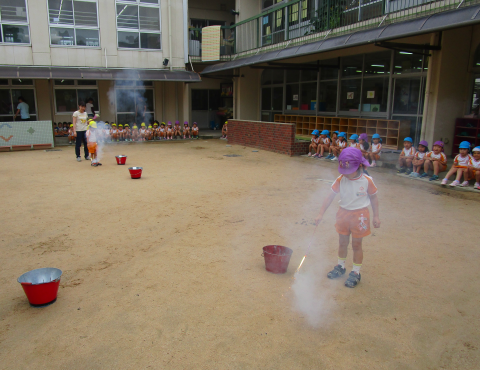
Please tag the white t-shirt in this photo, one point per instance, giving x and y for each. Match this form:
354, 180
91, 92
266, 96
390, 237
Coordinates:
474, 163
420, 155
409, 152
81, 120
377, 147
354, 193
462, 161
92, 136
89, 108
24, 110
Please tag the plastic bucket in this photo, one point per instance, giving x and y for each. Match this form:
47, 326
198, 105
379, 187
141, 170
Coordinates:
121, 159
276, 258
41, 285
135, 172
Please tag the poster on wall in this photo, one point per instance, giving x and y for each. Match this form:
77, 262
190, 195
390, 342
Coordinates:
295, 97
370, 94
350, 95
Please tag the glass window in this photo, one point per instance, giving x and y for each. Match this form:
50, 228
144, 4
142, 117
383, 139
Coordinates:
86, 82
266, 98
29, 97
406, 62
350, 95
327, 98
22, 82
138, 24
3, 82
14, 22
277, 76
476, 58
199, 100
308, 75
85, 94
329, 73
308, 96
130, 103
266, 78
292, 98
64, 82
293, 75
352, 66
377, 63
66, 100
9, 95
5, 102
73, 23
375, 94
277, 98
475, 96
406, 95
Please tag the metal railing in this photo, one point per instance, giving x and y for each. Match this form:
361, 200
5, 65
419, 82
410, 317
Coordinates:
302, 21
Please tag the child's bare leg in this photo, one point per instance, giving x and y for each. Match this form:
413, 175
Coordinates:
408, 163
459, 174
426, 165
357, 251
343, 242
436, 167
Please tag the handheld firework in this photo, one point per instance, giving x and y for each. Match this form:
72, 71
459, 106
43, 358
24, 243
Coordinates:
308, 250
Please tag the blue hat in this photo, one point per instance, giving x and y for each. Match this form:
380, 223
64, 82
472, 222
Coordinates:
325, 132
354, 137
341, 134
476, 149
464, 145
375, 136
336, 132
314, 132
408, 139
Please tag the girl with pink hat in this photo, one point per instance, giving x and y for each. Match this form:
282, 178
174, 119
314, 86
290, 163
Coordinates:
169, 130
436, 159
419, 158
357, 191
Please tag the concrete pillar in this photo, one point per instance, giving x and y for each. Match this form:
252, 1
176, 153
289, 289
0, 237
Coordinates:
247, 101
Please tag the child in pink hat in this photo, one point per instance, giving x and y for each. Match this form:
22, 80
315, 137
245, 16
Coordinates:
169, 130
357, 191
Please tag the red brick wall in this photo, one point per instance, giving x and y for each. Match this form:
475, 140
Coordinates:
274, 137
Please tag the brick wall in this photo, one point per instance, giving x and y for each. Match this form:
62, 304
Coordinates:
272, 136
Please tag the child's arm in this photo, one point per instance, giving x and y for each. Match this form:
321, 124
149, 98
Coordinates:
376, 216
402, 154
326, 203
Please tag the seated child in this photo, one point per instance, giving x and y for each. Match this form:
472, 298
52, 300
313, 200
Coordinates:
121, 133
92, 142
195, 130
460, 166
156, 131
224, 130
314, 143
142, 132
65, 129
114, 132
176, 130
162, 132
135, 134
406, 156
474, 167
128, 133
435, 159
324, 144
375, 150
334, 143
341, 144
106, 132
419, 158
149, 134
364, 145
353, 141
71, 134
56, 130
186, 130
169, 131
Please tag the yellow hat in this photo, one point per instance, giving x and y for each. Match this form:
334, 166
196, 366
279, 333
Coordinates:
127, 125
155, 124
163, 123
120, 125
135, 126
143, 124
93, 124
113, 124
150, 126
226, 122
71, 124
90, 120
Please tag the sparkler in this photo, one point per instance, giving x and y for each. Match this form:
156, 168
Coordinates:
308, 250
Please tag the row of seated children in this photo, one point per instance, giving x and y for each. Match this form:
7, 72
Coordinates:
466, 165
110, 132
322, 143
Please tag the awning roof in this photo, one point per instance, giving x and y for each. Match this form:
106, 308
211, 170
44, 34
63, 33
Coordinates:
97, 74
436, 22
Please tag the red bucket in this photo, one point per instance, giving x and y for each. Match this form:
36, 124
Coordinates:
276, 258
121, 159
41, 285
135, 172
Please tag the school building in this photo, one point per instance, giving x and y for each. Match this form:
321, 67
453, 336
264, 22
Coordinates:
396, 67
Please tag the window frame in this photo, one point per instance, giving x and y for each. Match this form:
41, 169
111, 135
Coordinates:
11, 87
16, 23
134, 87
75, 87
138, 4
74, 28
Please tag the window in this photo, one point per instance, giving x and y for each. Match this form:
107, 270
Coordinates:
134, 102
10, 91
69, 92
73, 23
138, 24
203, 99
14, 22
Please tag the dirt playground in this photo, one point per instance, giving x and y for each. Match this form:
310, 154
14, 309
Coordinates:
166, 272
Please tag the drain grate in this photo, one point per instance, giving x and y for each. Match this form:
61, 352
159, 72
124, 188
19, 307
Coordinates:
53, 150
232, 155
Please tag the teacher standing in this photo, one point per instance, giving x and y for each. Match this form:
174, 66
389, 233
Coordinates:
79, 121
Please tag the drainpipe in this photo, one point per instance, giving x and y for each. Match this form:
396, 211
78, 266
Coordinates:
427, 90
185, 31
170, 34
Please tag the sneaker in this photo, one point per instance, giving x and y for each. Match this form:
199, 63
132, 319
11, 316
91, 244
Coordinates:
476, 186
87, 158
423, 175
433, 178
455, 183
336, 272
328, 156
444, 182
309, 154
416, 174
94, 164
353, 280
401, 170
319, 156
464, 184
373, 165
99, 164
334, 158
315, 155
79, 159
408, 171
412, 174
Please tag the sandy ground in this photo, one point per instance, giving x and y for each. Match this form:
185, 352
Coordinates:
166, 272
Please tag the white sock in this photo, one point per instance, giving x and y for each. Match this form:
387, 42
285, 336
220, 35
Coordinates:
356, 268
341, 262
